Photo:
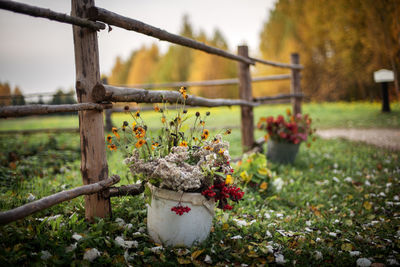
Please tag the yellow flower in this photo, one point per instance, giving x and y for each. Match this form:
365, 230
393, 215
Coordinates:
266, 137
245, 176
163, 119
115, 132
288, 112
109, 138
221, 151
263, 171
140, 143
183, 92
229, 179
137, 114
209, 148
112, 147
263, 186
154, 145
156, 108
183, 143
228, 131
133, 125
140, 132
205, 134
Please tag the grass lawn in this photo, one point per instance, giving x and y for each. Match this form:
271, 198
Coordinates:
325, 115
338, 203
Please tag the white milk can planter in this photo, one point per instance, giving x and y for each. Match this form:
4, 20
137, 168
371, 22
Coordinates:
167, 227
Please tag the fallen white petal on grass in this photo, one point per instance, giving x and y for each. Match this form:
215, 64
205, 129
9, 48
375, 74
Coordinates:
237, 237
268, 234
354, 253
278, 184
308, 229
332, 234
348, 179
367, 183
76, 236
31, 197
207, 259
120, 222
363, 262
318, 255
270, 249
128, 226
242, 223
280, 259
125, 243
334, 178
71, 247
156, 249
308, 223
91, 254
45, 255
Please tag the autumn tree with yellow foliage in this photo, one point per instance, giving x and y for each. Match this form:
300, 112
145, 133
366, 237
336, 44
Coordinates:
341, 43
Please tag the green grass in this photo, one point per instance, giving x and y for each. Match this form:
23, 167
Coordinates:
316, 210
325, 115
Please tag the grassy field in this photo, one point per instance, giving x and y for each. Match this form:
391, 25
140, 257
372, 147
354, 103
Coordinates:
337, 204
325, 115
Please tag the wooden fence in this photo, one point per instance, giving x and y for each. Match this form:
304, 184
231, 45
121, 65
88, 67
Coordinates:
94, 96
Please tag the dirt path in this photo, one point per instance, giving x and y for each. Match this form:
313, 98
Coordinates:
386, 138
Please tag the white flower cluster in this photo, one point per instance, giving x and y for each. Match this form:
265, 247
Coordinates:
176, 173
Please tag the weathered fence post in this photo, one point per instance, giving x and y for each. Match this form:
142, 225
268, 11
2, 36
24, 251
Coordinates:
93, 155
295, 86
245, 93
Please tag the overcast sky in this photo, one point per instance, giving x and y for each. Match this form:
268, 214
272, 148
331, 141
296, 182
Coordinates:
37, 54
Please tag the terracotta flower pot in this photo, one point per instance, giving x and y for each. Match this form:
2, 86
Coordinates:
168, 228
280, 152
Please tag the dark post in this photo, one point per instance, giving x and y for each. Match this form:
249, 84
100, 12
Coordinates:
295, 84
245, 93
108, 112
385, 97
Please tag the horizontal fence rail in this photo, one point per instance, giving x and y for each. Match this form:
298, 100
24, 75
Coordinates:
49, 14
112, 18
266, 99
206, 83
278, 64
119, 94
40, 131
47, 202
18, 111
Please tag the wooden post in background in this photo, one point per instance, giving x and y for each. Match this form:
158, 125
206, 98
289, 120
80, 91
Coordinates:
108, 112
91, 126
245, 93
295, 86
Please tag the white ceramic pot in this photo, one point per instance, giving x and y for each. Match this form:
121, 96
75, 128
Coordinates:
167, 227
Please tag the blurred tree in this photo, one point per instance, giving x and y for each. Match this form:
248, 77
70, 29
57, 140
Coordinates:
143, 65
340, 44
174, 66
209, 67
18, 98
5, 94
63, 98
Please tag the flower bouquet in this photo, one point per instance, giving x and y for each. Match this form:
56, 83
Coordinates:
187, 172
284, 135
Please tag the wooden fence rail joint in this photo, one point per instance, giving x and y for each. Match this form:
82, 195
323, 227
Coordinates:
49, 14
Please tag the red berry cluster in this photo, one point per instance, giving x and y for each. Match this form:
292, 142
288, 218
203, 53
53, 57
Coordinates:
180, 210
221, 193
